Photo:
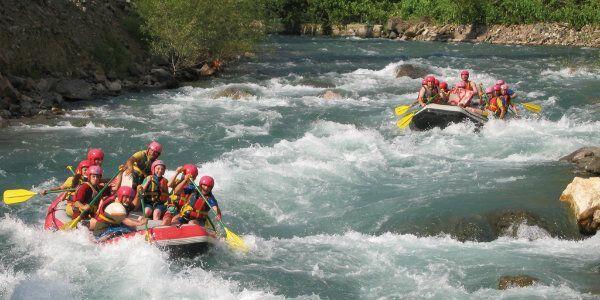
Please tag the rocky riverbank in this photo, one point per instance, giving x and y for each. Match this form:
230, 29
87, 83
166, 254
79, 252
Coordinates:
525, 34
54, 52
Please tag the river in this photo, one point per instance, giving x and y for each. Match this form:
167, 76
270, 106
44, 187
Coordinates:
334, 200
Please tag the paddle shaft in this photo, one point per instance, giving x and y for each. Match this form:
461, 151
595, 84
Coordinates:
206, 201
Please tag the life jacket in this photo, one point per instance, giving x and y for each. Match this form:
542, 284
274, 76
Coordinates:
197, 206
468, 86
431, 96
73, 211
506, 100
154, 193
494, 105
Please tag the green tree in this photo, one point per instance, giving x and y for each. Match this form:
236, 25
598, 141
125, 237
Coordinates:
188, 32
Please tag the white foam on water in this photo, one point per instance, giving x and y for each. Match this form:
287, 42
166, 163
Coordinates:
582, 72
88, 129
128, 269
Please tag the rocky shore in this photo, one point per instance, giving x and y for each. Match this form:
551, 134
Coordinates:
55, 52
524, 34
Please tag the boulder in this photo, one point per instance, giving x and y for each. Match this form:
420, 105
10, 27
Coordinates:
411, 71
207, 70
586, 160
7, 89
161, 74
45, 84
99, 76
76, 89
507, 282
114, 86
392, 35
233, 93
331, 95
3, 122
583, 195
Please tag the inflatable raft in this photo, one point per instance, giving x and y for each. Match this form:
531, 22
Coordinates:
186, 239
436, 115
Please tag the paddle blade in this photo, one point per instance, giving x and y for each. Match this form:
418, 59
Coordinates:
234, 241
17, 196
402, 109
402, 123
532, 107
71, 225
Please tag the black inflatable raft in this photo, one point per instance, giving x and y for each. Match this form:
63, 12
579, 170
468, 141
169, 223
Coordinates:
436, 115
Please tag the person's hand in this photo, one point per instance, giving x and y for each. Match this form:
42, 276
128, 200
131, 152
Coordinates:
218, 217
422, 104
187, 177
172, 209
43, 192
85, 207
179, 170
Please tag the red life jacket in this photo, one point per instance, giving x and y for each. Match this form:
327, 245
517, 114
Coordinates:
101, 216
493, 105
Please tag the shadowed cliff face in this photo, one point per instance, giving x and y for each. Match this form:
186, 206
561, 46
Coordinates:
63, 37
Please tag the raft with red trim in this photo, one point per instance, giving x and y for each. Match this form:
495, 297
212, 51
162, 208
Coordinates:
188, 239
436, 115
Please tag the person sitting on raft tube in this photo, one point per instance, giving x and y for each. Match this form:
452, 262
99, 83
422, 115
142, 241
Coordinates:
190, 172
74, 181
140, 163
85, 193
444, 92
469, 85
112, 213
506, 97
194, 209
495, 107
429, 92
155, 191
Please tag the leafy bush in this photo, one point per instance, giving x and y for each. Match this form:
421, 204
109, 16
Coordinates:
189, 32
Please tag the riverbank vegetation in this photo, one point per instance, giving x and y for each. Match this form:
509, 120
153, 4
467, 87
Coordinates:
482, 12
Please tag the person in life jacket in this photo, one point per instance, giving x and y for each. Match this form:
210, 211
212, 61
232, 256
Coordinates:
495, 105
112, 212
429, 92
469, 85
72, 181
506, 97
194, 208
444, 92
180, 196
155, 191
140, 163
95, 156
84, 194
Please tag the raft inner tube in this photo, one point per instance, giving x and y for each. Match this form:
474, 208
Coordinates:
437, 115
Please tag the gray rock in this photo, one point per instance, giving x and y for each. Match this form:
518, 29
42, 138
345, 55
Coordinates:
586, 160
114, 86
99, 76
3, 122
233, 93
393, 35
7, 89
45, 84
161, 74
5, 113
207, 70
74, 89
507, 282
411, 71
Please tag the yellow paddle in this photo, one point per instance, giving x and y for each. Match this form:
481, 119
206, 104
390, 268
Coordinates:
21, 195
404, 121
531, 107
73, 223
232, 239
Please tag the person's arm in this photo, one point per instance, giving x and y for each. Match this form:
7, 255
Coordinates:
135, 223
173, 181
476, 90
182, 184
80, 195
420, 99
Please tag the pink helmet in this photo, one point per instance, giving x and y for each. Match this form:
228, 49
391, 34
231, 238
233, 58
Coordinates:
461, 84
436, 82
125, 191
489, 90
444, 85
189, 169
95, 154
500, 82
423, 82
504, 87
156, 163
207, 180
430, 79
464, 72
496, 87
94, 170
155, 146
83, 164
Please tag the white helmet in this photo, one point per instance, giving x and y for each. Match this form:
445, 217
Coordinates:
116, 211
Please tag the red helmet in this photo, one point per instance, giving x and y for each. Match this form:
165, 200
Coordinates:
190, 169
437, 82
95, 154
489, 90
430, 79
461, 84
125, 191
423, 82
94, 170
207, 180
155, 146
504, 87
444, 85
83, 164
496, 87
156, 163
464, 72
500, 82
